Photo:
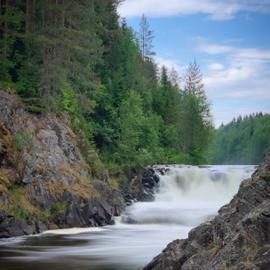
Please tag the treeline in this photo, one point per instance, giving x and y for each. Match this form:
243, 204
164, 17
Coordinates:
77, 58
243, 141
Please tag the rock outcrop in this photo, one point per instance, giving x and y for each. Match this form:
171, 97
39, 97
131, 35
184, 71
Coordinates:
44, 179
237, 238
141, 186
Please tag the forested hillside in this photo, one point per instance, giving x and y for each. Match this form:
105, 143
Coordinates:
76, 58
243, 141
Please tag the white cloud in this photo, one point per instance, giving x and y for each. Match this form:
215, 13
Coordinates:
209, 48
244, 73
242, 77
217, 10
169, 64
212, 48
261, 93
236, 72
215, 66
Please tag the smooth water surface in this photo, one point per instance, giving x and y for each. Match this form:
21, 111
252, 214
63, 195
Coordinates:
186, 197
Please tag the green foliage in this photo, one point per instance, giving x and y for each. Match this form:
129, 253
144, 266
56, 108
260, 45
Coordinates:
19, 204
75, 58
131, 120
49, 213
69, 101
243, 141
22, 140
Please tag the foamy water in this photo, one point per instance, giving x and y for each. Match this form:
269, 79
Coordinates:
186, 197
72, 231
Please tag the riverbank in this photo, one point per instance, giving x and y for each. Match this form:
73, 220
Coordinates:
143, 229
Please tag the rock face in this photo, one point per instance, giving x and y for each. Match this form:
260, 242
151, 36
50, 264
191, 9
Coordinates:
141, 186
44, 180
237, 238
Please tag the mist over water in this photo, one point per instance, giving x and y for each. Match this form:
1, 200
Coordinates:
187, 196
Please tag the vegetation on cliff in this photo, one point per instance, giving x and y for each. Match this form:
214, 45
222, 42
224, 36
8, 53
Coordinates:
76, 58
45, 182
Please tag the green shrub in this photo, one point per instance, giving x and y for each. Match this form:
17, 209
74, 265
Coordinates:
22, 140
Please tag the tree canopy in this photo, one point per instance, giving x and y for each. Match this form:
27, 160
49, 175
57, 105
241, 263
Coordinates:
245, 140
77, 58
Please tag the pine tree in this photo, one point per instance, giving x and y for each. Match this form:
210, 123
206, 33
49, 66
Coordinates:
197, 123
194, 85
74, 57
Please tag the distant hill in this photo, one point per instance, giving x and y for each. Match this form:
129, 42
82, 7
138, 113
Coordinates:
243, 141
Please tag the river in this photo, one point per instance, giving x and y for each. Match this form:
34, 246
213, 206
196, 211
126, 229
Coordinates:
187, 196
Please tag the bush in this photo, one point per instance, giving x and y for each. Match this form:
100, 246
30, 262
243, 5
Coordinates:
22, 140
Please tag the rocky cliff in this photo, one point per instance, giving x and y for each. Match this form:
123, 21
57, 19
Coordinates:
44, 179
237, 238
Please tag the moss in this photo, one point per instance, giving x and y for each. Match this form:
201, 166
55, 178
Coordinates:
8, 154
95, 163
225, 267
20, 205
4, 177
8, 87
113, 168
7, 177
7, 144
82, 186
22, 140
51, 212
2, 206
3, 188
216, 248
82, 189
252, 247
254, 215
114, 183
47, 214
265, 176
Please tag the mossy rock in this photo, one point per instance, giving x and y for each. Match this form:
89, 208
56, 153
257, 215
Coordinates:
265, 176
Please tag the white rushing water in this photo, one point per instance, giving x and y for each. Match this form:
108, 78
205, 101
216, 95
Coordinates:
187, 196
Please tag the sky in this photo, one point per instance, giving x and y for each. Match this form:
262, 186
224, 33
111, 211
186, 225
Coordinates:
230, 40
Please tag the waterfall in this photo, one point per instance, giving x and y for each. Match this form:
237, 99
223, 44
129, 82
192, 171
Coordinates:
188, 195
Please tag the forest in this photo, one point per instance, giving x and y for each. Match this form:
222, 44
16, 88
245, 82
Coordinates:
79, 59
245, 140
94, 132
